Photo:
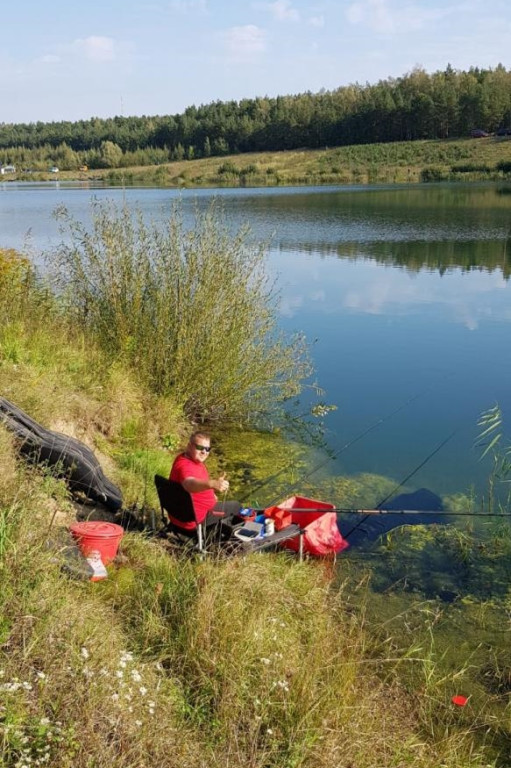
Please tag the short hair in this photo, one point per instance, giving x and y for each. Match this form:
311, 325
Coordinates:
200, 433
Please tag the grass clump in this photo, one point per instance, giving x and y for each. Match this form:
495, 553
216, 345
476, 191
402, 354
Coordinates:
191, 312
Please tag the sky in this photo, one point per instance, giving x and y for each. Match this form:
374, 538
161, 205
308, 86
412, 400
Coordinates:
101, 58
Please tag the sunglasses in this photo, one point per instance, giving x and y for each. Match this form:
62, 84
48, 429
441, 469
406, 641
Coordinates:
204, 448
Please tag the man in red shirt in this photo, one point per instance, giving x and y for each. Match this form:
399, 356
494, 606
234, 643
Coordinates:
190, 470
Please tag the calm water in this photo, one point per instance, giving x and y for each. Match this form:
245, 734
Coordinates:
404, 292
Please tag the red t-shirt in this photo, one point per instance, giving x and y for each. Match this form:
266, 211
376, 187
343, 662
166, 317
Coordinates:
203, 501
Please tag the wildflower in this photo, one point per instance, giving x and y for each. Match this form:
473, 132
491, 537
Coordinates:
143, 690
126, 656
138, 722
151, 704
269, 731
27, 686
44, 721
84, 652
265, 661
41, 675
137, 677
119, 674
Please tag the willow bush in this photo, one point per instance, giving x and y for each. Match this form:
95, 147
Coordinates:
193, 312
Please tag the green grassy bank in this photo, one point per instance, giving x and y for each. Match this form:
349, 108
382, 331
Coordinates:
172, 661
399, 162
178, 662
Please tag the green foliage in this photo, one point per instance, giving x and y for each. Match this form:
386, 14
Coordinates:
191, 312
110, 154
433, 173
489, 440
415, 106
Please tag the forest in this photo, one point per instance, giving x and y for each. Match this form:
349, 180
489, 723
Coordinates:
419, 105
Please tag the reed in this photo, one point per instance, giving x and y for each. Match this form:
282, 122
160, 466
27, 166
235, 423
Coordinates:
191, 312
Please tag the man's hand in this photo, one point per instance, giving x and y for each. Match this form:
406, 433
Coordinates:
221, 485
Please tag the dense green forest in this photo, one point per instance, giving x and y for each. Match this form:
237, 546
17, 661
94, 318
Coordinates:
418, 105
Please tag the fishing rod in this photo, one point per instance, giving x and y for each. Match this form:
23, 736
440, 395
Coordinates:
405, 480
376, 511
343, 448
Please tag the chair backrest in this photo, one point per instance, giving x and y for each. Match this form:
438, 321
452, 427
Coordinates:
175, 500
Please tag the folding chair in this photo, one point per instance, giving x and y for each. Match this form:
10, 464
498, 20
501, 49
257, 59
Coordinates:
177, 502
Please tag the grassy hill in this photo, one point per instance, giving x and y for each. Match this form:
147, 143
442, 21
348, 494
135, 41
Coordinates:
399, 162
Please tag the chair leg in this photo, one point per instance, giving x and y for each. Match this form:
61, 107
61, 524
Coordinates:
301, 546
200, 538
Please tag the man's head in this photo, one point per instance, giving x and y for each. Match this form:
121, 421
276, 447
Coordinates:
199, 446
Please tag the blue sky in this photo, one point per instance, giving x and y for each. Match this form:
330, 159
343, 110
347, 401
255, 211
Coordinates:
67, 61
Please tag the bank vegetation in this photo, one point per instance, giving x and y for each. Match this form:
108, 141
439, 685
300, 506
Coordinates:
174, 661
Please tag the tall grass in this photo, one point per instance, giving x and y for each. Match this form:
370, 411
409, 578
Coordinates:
171, 662
193, 313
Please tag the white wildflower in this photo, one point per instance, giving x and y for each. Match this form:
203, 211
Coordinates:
138, 722
143, 690
84, 652
44, 721
265, 661
137, 677
41, 675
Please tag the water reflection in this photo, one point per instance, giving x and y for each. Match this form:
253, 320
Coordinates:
400, 290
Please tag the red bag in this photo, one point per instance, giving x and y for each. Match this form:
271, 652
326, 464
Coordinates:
321, 534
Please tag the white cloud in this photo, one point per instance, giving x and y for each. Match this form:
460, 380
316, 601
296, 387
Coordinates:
282, 10
49, 58
381, 17
186, 6
317, 21
245, 41
373, 13
96, 48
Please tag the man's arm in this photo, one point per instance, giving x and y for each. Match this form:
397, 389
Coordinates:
194, 485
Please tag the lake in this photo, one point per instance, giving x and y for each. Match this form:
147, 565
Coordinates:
402, 291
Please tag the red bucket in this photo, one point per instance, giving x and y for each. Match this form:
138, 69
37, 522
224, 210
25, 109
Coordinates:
98, 537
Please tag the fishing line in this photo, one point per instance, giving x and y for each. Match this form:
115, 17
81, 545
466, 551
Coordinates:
340, 450
405, 480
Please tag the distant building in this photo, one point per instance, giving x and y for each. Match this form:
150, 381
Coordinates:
7, 169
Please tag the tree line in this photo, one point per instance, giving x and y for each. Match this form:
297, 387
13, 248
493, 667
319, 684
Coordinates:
418, 105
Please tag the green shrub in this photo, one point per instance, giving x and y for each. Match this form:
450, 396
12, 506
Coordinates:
504, 166
228, 169
434, 173
471, 168
192, 312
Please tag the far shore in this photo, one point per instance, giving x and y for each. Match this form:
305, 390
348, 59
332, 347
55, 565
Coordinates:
483, 159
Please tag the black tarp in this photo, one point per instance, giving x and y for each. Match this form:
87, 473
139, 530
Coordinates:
68, 457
